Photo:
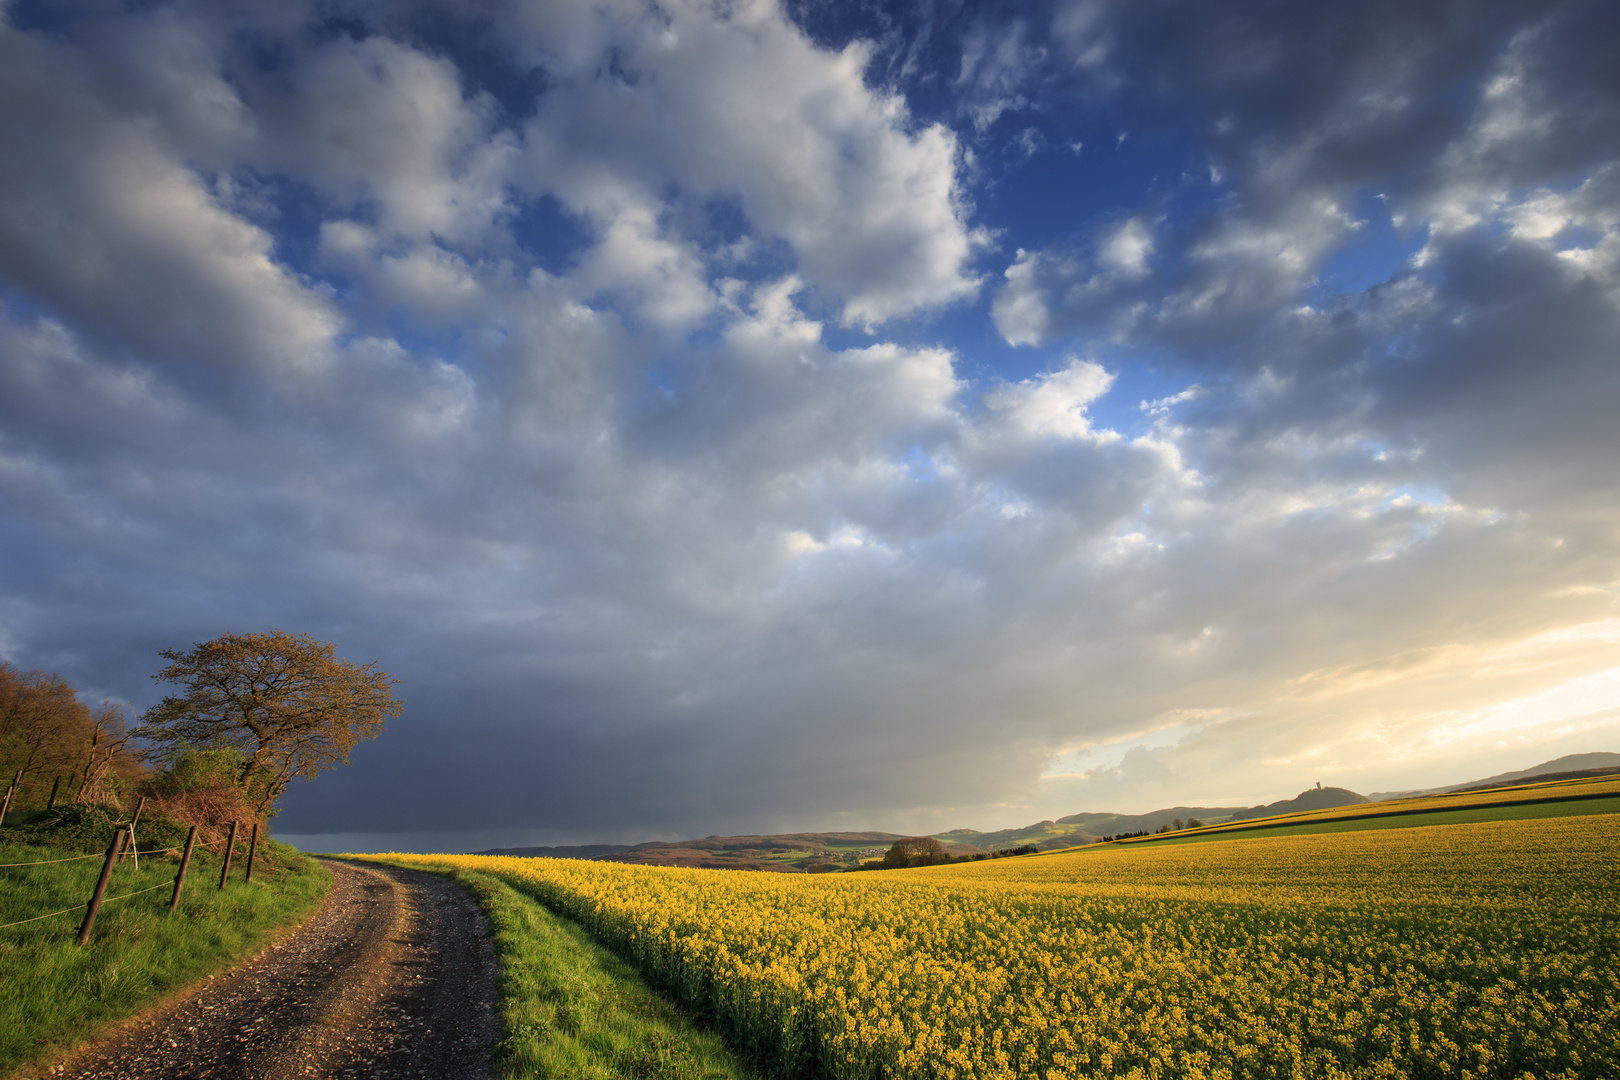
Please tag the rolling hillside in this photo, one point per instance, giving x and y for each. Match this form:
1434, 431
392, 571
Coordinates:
820, 852
1566, 767
1530, 799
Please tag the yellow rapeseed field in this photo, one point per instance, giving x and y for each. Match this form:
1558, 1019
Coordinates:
1480, 950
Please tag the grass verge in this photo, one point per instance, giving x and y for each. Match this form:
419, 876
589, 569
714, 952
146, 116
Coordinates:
571, 1008
55, 993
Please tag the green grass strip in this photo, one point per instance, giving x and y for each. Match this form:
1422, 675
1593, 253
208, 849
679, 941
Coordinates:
55, 993
572, 1009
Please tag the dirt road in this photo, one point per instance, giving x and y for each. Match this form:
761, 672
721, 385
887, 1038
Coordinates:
394, 977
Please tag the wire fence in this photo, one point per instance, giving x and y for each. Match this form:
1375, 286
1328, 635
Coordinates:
36, 918
46, 862
105, 900
97, 855
117, 853
81, 907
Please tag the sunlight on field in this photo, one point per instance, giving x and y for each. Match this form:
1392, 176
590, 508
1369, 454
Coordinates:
1462, 950
1557, 799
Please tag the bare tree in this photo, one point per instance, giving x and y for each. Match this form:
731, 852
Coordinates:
285, 702
108, 755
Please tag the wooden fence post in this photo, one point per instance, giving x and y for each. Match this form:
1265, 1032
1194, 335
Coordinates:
50, 804
230, 846
139, 806
253, 845
101, 886
5, 807
185, 863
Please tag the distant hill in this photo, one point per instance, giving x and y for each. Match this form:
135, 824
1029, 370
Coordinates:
1114, 824
1540, 778
1045, 835
1566, 767
1317, 798
1569, 763
1078, 829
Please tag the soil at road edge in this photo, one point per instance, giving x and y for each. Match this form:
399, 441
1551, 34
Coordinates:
393, 977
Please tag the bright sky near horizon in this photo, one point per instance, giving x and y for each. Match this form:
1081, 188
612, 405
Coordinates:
753, 416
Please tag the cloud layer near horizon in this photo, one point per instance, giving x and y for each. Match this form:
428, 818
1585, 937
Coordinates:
632, 381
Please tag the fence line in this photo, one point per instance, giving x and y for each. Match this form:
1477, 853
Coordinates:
46, 862
80, 907
76, 858
36, 918
137, 892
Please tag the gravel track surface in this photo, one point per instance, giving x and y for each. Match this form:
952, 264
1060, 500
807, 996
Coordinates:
393, 977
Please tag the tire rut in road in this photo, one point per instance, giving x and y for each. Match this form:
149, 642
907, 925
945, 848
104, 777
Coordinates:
393, 977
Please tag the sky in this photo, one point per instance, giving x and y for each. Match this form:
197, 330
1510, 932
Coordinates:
751, 416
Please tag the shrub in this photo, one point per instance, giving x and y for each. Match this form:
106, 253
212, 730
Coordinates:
198, 787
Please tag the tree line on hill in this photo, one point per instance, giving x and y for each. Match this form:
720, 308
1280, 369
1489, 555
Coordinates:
253, 712
1174, 825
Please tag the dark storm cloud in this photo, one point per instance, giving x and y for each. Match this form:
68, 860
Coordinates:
674, 521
